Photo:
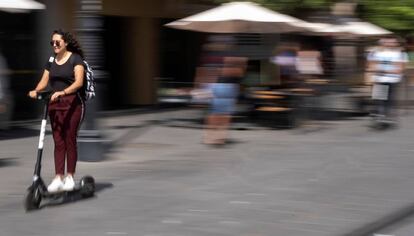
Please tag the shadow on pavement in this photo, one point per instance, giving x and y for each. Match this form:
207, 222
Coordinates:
19, 132
73, 197
134, 131
9, 161
384, 222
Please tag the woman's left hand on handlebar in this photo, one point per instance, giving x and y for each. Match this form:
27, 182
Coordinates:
32, 94
57, 95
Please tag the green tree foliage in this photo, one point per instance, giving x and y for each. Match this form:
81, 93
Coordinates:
396, 15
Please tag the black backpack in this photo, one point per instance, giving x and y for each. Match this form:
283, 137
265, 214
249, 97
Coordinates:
88, 89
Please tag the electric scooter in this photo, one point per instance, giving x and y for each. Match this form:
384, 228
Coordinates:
38, 189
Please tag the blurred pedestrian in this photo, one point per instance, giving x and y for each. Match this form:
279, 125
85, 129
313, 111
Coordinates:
225, 91
309, 67
308, 63
207, 72
409, 71
285, 58
386, 65
64, 73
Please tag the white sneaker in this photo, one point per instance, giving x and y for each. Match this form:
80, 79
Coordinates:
69, 183
55, 186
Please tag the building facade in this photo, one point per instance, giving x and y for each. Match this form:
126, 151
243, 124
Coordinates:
138, 49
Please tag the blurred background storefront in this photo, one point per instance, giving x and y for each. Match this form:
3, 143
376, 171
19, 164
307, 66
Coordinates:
141, 54
138, 49
18, 45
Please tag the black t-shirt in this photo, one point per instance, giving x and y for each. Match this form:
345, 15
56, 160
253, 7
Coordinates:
62, 76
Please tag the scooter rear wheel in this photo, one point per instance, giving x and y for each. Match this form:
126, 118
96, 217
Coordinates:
32, 199
87, 186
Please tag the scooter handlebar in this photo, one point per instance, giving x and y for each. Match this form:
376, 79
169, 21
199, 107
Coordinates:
44, 95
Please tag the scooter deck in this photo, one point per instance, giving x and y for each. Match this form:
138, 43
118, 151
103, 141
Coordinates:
61, 193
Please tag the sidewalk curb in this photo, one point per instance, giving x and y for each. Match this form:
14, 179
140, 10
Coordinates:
384, 222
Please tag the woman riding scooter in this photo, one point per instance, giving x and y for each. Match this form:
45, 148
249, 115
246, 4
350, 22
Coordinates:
64, 73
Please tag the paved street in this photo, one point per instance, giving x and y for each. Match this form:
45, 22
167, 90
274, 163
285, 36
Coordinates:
159, 180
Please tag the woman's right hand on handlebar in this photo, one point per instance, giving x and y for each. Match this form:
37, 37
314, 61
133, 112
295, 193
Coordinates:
32, 94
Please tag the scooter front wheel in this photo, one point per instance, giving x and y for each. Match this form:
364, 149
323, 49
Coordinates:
32, 199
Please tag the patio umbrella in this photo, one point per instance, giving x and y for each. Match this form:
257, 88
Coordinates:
350, 28
363, 28
239, 17
322, 29
20, 5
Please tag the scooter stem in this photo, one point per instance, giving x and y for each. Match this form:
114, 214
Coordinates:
41, 140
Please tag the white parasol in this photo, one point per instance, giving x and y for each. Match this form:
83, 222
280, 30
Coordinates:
239, 17
363, 28
20, 5
351, 28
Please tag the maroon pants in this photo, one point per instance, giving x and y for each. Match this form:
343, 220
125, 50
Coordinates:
66, 115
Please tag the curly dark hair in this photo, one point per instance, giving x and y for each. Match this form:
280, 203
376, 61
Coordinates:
73, 45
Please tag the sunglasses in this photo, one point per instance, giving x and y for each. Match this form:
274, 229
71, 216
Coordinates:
55, 42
